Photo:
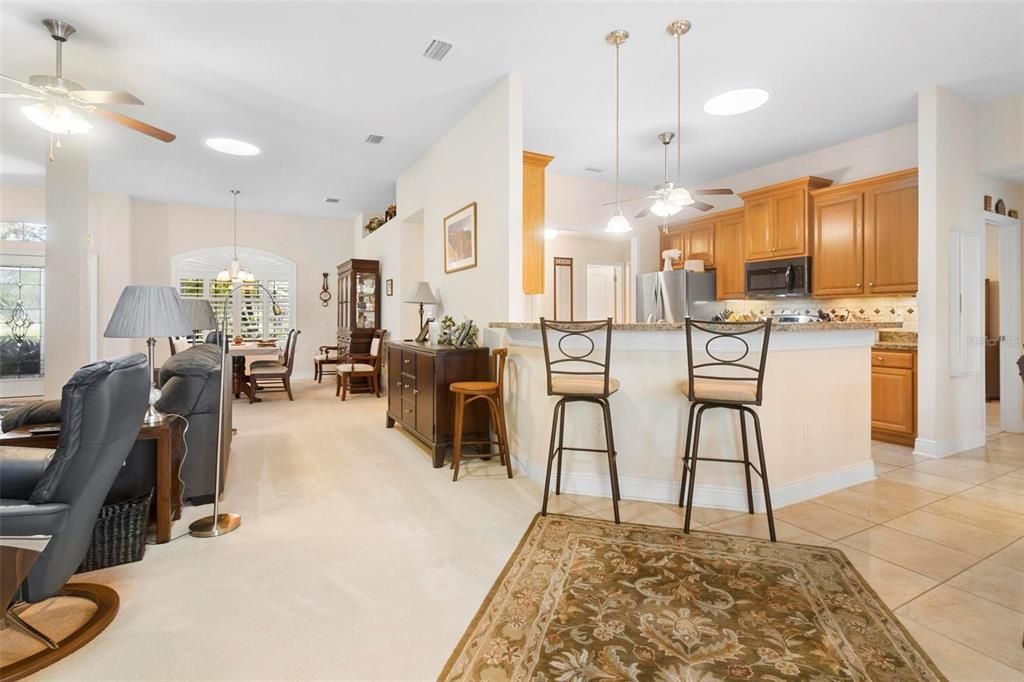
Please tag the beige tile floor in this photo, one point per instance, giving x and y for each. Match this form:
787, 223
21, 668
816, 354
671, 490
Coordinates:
357, 560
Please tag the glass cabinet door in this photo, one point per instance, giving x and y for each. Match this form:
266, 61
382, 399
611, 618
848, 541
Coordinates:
344, 301
366, 301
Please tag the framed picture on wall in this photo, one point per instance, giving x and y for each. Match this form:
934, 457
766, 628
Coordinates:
389, 287
460, 239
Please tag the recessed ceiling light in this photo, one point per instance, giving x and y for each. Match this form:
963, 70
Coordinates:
550, 233
225, 145
736, 101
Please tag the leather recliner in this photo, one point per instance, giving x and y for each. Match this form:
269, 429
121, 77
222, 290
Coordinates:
46, 530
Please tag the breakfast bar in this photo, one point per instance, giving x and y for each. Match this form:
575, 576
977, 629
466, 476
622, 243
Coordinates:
816, 414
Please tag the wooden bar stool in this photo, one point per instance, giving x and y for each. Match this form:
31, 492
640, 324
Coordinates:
491, 392
575, 376
726, 381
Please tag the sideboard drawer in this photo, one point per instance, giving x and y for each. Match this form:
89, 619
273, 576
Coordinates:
408, 363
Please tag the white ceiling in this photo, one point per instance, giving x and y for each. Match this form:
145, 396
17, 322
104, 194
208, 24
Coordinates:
308, 81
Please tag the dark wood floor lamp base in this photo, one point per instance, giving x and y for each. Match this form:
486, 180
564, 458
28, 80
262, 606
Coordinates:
106, 601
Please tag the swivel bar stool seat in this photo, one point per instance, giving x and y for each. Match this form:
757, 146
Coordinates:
579, 373
727, 380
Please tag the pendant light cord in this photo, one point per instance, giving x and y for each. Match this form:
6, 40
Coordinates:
679, 110
234, 195
618, 205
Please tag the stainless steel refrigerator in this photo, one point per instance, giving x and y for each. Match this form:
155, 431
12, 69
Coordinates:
671, 295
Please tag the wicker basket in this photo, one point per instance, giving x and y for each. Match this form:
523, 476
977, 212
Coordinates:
119, 536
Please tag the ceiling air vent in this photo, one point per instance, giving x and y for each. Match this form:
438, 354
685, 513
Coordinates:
593, 169
437, 49
332, 200
374, 138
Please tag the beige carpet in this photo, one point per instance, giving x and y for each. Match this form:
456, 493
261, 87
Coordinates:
584, 599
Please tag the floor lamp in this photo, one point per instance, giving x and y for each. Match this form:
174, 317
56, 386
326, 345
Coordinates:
217, 523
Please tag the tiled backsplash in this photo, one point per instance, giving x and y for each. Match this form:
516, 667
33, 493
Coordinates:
868, 308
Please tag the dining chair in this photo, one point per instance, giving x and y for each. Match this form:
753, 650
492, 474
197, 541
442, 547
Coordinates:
327, 355
366, 365
269, 370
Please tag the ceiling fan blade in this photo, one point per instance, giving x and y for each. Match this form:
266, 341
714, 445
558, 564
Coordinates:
105, 97
643, 213
26, 86
134, 124
715, 190
626, 201
701, 206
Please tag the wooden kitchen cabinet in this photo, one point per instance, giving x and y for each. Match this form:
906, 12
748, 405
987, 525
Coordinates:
419, 375
672, 240
778, 219
894, 396
865, 237
890, 234
699, 243
730, 277
838, 264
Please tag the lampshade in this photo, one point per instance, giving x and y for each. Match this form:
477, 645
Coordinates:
200, 313
423, 294
663, 209
148, 311
618, 224
680, 196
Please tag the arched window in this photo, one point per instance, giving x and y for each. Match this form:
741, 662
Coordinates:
250, 313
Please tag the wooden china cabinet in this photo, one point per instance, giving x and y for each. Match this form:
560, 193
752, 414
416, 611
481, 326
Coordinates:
358, 304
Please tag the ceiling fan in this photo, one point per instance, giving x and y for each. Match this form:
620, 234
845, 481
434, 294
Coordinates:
58, 100
671, 197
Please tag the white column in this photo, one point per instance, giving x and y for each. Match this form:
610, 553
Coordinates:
66, 329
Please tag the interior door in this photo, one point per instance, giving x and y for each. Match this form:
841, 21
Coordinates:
890, 233
789, 224
602, 295
839, 245
758, 228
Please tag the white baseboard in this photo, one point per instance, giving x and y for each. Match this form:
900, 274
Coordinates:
719, 497
927, 447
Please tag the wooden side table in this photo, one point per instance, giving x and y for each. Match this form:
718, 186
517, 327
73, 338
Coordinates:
169, 448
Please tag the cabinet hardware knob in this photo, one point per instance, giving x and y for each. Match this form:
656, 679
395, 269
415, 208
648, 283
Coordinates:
857, 284
415, 390
871, 284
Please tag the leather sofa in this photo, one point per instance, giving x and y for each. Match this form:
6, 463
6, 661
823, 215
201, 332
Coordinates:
189, 382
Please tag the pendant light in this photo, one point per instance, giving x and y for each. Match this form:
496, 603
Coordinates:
664, 207
618, 222
234, 272
680, 196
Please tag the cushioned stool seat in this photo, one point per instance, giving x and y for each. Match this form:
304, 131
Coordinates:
582, 385
355, 367
721, 389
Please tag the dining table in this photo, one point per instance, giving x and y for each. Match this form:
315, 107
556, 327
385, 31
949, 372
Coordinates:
240, 352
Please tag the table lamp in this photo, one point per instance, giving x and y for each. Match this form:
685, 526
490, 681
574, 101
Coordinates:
200, 315
424, 296
146, 312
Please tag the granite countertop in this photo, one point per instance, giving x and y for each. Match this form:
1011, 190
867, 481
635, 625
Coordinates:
896, 340
676, 326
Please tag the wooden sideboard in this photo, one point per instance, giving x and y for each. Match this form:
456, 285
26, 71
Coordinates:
419, 375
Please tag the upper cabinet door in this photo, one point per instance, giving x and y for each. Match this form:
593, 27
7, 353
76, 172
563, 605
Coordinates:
699, 244
672, 240
789, 224
758, 228
890, 236
729, 270
838, 265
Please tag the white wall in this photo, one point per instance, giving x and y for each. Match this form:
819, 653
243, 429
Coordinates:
582, 249
950, 408
478, 160
161, 231
398, 246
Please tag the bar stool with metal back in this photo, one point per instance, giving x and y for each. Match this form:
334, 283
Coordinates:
726, 381
585, 380
492, 393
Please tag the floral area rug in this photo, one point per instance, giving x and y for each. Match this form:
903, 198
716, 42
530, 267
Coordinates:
584, 599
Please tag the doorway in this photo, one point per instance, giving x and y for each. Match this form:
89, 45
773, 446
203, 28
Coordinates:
1003, 388
606, 294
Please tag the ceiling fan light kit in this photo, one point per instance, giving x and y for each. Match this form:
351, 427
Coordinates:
56, 118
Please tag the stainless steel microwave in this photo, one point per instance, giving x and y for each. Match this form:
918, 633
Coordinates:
778, 278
